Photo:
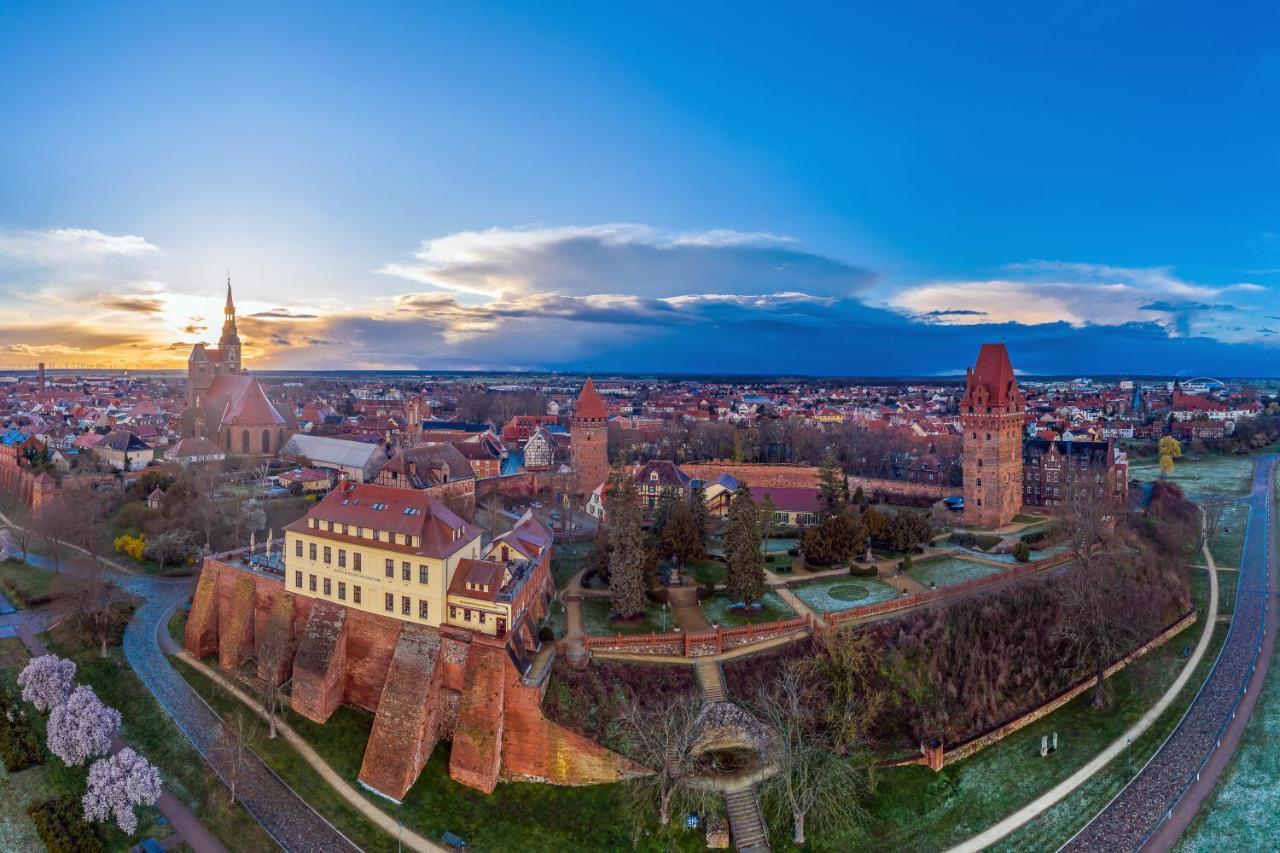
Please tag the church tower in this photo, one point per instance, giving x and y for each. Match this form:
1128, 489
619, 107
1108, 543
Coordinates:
589, 440
992, 416
229, 343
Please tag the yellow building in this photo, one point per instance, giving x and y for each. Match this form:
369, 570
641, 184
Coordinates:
383, 550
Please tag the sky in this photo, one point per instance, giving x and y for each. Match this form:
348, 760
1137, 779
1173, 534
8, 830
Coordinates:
734, 188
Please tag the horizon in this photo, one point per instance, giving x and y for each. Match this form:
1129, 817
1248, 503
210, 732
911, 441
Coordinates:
495, 189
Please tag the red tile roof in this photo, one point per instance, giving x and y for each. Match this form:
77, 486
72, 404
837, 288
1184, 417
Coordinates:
387, 508
995, 373
589, 403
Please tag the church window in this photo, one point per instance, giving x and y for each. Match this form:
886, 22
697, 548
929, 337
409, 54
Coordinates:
244, 441
266, 441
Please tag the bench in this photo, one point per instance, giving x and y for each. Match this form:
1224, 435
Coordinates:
453, 841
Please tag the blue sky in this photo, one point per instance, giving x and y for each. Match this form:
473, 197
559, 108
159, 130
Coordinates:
842, 189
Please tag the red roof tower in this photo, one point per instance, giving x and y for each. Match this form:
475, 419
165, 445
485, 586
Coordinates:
991, 414
589, 440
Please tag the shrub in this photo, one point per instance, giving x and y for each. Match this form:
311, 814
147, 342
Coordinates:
794, 552
1022, 551
62, 829
768, 558
859, 570
131, 546
19, 746
546, 635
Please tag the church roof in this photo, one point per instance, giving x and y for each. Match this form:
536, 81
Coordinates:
237, 398
994, 372
589, 403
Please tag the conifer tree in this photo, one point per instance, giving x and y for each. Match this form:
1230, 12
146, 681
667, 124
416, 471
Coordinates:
745, 576
832, 486
628, 549
701, 515
680, 537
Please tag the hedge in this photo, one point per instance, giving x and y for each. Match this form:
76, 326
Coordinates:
19, 746
62, 828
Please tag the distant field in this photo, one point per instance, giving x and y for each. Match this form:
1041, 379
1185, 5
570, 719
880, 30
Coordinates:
1231, 474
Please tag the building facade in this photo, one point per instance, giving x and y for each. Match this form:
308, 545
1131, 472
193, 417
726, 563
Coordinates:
992, 413
1058, 472
589, 440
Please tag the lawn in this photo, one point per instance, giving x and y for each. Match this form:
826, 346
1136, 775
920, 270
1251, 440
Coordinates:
1228, 544
945, 571
1231, 474
517, 816
772, 608
23, 584
842, 593
566, 560
707, 571
595, 619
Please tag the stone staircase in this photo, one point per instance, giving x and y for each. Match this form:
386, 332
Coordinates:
711, 679
746, 824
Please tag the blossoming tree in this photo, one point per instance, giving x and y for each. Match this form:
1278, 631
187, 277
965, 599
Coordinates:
116, 785
46, 682
81, 727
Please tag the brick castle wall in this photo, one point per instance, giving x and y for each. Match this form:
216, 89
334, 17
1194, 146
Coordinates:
422, 684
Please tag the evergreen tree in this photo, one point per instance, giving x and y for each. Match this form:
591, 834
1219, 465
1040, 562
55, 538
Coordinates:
767, 510
667, 500
860, 497
628, 550
680, 536
745, 576
701, 515
832, 486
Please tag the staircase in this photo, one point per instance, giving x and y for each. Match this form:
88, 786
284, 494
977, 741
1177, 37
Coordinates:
745, 821
711, 679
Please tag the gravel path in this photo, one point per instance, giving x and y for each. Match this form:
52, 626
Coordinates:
1141, 807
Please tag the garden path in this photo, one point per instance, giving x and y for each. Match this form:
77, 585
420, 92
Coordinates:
685, 609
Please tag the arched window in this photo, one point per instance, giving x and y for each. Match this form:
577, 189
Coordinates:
266, 441
226, 440
244, 441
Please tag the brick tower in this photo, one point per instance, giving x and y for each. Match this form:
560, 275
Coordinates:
589, 440
991, 414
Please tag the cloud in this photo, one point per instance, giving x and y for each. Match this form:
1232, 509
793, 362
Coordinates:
623, 258
54, 246
134, 304
283, 314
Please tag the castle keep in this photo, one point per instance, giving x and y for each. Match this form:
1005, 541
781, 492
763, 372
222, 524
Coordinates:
992, 417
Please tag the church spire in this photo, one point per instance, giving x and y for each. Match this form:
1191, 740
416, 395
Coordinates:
231, 306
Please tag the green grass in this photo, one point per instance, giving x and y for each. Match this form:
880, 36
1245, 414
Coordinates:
1228, 544
1231, 474
23, 584
945, 571
708, 571
595, 619
517, 816
566, 560
1023, 518
772, 608
178, 626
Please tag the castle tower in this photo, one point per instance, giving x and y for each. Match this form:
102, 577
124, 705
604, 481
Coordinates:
589, 439
229, 343
991, 414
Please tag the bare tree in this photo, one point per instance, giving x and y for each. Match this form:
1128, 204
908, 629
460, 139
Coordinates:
50, 524
22, 537
814, 779
273, 655
229, 751
85, 596
663, 737
1102, 619
493, 515
847, 665
1213, 508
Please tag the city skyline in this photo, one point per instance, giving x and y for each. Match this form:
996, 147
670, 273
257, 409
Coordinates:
398, 188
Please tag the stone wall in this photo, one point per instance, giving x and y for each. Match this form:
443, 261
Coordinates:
806, 476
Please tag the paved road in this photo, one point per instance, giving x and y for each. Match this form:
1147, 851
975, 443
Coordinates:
1141, 807
285, 816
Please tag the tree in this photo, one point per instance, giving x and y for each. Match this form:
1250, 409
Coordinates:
681, 538
248, 517
1101, 618
46, 681
273, 658
832, 486
701, 515
493, 516
628, 550
81, 727
860, 497
172, 548
87, 597
1213, 508
1169, 449
229, 750
813, 779
907, 530
21, 536
1021, 551
116, 785
846, 667
663, 738
767, 511
744, 579
667, 501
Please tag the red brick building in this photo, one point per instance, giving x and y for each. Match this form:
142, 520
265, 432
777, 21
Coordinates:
589, 432
992, 416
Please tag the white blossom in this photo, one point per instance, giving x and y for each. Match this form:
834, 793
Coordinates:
81, 727
46, 681
116, 785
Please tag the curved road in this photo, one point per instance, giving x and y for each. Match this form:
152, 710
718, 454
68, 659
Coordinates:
1141, 808
286, 817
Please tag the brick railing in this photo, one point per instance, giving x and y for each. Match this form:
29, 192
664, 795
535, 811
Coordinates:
903, 602
698, 643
